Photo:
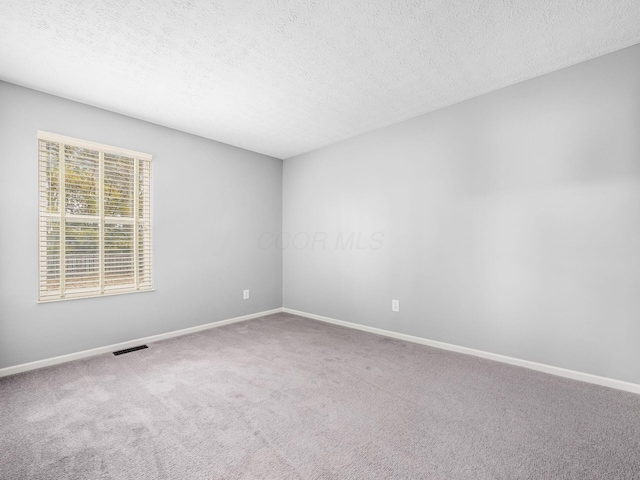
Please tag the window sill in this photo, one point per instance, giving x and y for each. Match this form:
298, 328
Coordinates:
109, 294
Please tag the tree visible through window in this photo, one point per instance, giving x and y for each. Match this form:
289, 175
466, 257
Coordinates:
95, 219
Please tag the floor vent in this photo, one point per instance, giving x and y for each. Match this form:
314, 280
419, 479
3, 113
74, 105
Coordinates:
132, 349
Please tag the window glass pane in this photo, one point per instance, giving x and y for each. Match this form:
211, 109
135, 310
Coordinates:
81, 181
144, 255
144, 189
119, 254
50, 177
50, 256
82, 255
119, 173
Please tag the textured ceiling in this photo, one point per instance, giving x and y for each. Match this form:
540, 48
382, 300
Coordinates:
283, 77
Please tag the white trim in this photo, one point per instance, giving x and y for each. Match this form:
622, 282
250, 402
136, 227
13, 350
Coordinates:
107, 293
76, 142
561, 372
47, 362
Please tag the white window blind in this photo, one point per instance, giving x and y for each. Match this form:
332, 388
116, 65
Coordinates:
95, 219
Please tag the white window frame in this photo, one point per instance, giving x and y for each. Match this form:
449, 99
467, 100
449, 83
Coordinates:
100, 219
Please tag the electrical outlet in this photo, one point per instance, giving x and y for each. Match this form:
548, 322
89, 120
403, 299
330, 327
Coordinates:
395, 305
245, 294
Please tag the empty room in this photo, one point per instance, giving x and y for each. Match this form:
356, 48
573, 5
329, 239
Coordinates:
319, 239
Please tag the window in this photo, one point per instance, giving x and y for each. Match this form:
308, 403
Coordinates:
95, 219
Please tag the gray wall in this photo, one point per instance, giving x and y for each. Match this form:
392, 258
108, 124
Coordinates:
510, 223
211, 203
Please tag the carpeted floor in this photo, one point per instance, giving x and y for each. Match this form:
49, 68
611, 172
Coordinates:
285, 397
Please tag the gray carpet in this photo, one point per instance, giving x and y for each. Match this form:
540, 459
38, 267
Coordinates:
284, 397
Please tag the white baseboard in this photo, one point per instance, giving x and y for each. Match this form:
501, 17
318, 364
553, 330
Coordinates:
561, 372
128, 344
